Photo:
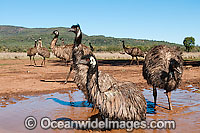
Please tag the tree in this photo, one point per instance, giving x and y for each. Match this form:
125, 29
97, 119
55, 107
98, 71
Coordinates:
189, 43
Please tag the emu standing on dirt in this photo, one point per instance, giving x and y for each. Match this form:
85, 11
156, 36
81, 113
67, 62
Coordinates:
114, 100
32, 52
63, 52
78, 49
44, 52
134, 52
163, 68
63, 41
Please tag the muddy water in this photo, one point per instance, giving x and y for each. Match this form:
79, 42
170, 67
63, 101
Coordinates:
72, 105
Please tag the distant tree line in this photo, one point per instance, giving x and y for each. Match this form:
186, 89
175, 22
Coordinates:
19, 39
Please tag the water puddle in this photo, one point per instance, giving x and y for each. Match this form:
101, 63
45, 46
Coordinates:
72, 105
193, 88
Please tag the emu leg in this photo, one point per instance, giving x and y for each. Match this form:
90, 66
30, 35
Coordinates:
137, 60
30, 60
44, 61
132, 60
155, 95
68, 74
169, 99
34, 60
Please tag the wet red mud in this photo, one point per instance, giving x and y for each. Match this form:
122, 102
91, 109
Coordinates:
39, 91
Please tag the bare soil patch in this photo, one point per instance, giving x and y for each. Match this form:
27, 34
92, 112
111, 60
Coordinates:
16, 76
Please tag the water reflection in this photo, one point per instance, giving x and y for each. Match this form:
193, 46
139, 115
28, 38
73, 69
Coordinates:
73, 104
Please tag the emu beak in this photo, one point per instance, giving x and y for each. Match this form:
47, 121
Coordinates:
71, 30
178, 70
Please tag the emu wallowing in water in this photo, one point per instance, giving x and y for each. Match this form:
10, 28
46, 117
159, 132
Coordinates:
114, 100
134, 52
163, 68
32, 52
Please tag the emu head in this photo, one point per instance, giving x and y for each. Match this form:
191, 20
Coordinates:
36, 43
76, 29
90, 61
56, 33
175, 66
62, 39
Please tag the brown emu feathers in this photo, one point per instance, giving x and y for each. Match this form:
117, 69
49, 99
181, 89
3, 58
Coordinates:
163, 68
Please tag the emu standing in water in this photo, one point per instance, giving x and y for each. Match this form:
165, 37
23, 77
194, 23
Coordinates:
32, 52
114, 100
163, 68
134, 52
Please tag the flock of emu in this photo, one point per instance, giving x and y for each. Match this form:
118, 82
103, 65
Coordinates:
162, 68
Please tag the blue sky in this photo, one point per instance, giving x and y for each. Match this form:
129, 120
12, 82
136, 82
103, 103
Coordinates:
163, 20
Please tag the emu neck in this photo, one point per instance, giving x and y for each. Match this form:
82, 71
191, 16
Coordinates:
54, 41
90, 73
77, 51
35, 45
124, 47
39, 43
78, 38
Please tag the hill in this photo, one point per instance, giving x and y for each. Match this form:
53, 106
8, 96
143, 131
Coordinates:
19, 39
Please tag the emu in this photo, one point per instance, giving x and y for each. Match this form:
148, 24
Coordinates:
134, 52
63, 52
44, 52
78, 49
63, 40
114, 100
163, 68
32, 52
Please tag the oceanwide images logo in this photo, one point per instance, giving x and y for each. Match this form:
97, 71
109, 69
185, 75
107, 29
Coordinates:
46, 123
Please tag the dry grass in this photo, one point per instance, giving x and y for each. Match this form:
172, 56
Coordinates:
99, 55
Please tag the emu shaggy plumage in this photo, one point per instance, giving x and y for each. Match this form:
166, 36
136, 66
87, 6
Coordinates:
163, 68
32, 52
42, 51
114, 100
63, 52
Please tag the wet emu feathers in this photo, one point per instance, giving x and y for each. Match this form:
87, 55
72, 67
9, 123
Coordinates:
114, 100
